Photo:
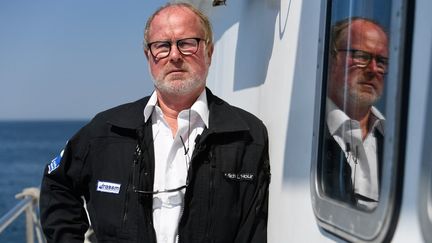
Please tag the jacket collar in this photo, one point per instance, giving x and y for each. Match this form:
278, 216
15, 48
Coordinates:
131, 115
223, 117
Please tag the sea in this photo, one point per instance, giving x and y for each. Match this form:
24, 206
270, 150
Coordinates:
26, 148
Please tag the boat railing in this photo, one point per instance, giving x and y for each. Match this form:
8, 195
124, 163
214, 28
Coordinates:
28, 204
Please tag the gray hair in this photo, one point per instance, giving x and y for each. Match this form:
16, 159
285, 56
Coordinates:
205, 22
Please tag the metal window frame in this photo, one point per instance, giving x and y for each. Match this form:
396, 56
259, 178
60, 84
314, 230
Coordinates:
425, 184
342, 220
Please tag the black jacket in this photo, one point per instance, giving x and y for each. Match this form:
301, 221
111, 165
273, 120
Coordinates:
226, 199
336, 172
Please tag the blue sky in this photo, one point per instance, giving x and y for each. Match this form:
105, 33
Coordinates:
377, 10
71, 59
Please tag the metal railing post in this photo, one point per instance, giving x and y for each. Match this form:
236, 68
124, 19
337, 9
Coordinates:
29, 224
29, 201
30, 212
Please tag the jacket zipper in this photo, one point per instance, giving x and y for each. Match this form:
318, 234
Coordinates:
183, 206
125, 214
137, 155
199, 148
211, 198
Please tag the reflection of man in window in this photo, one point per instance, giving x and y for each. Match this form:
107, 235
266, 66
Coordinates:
358, 63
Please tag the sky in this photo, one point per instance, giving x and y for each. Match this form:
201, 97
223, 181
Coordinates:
373, 9
71, 59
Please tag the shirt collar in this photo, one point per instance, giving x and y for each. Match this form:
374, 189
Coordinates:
336, 118
200, 106
150, 106
378, 120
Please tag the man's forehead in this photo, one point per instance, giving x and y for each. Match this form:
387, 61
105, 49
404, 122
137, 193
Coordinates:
174, 12
174, 15
360, 30
361, 27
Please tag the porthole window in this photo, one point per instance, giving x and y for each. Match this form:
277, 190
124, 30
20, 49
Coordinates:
359, 132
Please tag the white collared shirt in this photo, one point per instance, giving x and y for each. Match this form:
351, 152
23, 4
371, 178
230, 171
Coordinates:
361, 154
172, 159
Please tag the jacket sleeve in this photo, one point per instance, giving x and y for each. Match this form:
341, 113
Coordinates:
254, 227
63, 216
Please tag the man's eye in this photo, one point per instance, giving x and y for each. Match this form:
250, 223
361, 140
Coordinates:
161, 45
187, 43
382, 60
361, 56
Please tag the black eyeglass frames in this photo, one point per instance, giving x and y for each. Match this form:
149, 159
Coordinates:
162, 49
362, 59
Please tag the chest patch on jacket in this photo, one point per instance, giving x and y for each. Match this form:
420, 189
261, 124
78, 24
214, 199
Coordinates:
240, 176
109, 187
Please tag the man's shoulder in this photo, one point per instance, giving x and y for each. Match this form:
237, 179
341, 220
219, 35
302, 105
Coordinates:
129, 115
231, 115
246, 115
116, 113
224, 106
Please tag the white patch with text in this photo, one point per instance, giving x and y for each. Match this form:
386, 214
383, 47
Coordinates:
109, 187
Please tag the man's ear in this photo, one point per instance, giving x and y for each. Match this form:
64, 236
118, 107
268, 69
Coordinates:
209, 53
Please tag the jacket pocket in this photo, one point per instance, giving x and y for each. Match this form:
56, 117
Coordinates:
110, 197
233, 182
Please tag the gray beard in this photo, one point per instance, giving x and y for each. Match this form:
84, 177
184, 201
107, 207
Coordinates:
363, 100
184, 88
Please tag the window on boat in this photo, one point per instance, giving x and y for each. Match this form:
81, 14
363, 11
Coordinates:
425, 190
362, 92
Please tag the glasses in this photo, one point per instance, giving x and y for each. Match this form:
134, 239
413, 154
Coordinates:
362, 59
162, 49
135, 175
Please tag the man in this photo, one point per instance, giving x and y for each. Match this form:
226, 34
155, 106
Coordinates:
179, 166
353, 140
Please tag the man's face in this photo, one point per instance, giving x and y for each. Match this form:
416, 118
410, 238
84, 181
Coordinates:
349, 83
178, 74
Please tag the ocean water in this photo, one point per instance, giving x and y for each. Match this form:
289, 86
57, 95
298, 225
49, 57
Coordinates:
26, 147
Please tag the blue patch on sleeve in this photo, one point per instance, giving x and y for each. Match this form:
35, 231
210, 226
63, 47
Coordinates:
55, 163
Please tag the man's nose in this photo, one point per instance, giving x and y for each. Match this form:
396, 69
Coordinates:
373, 66
175, 55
